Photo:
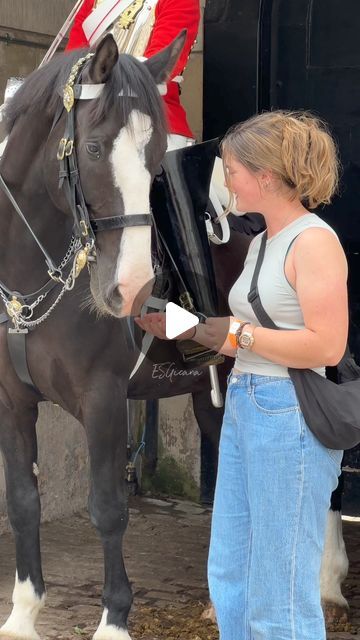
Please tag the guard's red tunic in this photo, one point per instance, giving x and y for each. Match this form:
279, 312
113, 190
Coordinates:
171, 16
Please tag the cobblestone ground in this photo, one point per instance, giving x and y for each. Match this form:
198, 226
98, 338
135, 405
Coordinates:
165, 555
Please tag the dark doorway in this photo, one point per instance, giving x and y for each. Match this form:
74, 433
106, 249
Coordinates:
293, 54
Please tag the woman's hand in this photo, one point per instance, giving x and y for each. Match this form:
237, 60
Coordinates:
212, 334
155, 323
216, 333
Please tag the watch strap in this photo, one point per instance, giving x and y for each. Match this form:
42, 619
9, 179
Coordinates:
233, 335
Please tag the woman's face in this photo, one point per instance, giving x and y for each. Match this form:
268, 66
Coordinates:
244, 185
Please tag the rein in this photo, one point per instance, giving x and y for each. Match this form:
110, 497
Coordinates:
82, 250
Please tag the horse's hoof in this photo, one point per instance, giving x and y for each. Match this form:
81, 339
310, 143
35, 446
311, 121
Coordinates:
335, 613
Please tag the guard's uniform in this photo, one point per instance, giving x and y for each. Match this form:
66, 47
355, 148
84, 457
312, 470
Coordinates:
161, 21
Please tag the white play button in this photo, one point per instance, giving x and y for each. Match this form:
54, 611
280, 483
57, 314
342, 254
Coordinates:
178, 320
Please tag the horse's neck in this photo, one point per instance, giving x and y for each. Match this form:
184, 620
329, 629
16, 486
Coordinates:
22, 265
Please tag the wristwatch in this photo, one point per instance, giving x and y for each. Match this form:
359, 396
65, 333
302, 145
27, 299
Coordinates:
234, 332
246, 340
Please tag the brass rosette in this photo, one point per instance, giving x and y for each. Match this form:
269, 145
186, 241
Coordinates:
81, 261
14, 307
68, 93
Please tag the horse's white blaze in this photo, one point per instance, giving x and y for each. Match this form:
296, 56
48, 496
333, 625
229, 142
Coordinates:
134, 267
335, 564
109, 631
27, 604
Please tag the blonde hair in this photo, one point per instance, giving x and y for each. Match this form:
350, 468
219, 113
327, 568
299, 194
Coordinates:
295, 146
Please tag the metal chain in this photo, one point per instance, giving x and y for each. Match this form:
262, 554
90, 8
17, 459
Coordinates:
68, 285
75, 245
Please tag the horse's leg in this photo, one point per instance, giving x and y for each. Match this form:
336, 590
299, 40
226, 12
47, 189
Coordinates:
335, 564
209, 419
106, 428
19, 450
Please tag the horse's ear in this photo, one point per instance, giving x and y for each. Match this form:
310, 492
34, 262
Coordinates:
162, 64
104, 60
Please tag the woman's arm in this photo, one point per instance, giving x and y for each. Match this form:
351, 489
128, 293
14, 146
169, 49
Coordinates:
318, 272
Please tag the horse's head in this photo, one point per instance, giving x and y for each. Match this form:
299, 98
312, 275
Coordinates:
120, 140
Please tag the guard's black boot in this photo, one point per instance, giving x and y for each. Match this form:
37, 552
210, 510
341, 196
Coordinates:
179, 200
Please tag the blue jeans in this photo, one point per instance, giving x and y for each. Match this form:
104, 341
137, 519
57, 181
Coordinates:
272, 496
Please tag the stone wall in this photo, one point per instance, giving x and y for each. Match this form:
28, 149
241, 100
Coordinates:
27, 28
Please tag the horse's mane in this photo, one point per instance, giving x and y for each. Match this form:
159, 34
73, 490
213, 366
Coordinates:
42, 90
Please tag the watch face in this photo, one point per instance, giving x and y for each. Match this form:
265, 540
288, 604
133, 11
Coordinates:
246, 340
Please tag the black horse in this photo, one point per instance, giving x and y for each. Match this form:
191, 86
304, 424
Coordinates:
78, 357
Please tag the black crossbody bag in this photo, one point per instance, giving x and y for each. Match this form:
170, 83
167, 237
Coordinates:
332, 411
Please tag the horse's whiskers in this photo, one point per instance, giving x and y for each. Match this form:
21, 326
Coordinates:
89, 304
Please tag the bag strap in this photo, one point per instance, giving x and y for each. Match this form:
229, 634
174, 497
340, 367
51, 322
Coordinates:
253, 295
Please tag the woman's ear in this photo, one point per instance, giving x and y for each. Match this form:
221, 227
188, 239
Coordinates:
266, 180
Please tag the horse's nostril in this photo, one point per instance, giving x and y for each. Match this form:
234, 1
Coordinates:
113, 297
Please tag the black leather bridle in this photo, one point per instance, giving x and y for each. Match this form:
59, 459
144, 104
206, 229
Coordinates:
85, 227
69, 178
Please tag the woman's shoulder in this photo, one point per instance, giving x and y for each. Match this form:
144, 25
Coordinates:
318, 243
306, 229
313, 221
315, 229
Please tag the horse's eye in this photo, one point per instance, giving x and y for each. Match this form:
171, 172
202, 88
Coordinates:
93, 149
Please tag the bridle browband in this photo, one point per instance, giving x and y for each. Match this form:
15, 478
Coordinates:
82, 246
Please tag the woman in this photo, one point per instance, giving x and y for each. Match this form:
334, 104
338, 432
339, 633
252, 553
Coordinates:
275, 478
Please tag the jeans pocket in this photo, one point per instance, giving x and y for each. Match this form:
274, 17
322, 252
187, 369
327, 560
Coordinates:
275, 397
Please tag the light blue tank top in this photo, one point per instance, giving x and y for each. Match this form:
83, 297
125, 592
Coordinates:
278, 297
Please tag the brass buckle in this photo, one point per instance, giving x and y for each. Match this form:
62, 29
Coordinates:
61, 149
186, 301
69, 148
84, 228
